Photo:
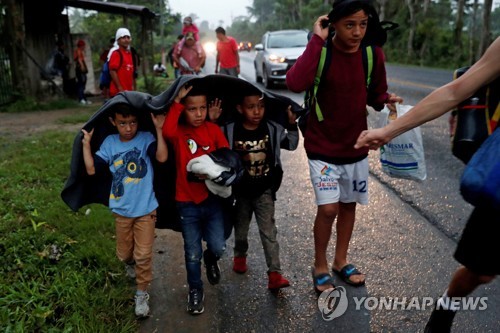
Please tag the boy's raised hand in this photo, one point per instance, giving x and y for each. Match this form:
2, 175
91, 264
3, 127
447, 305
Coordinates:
182, 93
214, 109
158, 120
87, 136
292, 116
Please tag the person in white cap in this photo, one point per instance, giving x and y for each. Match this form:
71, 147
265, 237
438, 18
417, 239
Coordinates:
121, 63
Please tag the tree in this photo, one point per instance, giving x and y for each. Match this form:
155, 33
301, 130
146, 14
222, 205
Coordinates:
485, 40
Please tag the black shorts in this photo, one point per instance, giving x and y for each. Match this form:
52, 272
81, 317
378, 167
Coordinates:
479, 247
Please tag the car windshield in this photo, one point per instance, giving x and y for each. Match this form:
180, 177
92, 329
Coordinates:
279, 41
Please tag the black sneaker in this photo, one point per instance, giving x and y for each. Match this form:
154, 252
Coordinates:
440, 321
195, 301
213, 270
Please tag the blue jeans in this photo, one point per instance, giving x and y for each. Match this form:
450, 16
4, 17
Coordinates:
203, 221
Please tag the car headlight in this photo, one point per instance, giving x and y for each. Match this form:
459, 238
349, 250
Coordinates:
275, 58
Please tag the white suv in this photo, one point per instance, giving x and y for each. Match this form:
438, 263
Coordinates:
276, 53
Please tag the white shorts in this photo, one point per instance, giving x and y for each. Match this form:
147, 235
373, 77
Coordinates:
339, 183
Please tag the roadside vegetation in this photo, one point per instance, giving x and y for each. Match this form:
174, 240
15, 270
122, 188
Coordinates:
59, 272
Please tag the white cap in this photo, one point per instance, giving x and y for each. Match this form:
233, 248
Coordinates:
122, 32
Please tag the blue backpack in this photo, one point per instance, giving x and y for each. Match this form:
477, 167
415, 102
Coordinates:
105, 78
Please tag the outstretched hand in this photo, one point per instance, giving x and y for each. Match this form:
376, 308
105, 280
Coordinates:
214, 109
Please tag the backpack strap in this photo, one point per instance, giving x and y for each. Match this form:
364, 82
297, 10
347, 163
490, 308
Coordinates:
367, 54
317, 80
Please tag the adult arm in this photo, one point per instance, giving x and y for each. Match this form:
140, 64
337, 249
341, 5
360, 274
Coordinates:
440, 101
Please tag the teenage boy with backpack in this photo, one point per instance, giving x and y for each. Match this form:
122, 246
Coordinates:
339, 173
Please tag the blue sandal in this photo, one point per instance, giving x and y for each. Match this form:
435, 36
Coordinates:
322, 279
346, 272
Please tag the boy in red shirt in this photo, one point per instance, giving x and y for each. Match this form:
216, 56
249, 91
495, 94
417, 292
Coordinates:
200, 212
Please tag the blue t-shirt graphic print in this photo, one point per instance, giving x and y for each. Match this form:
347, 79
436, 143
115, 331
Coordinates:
132, 193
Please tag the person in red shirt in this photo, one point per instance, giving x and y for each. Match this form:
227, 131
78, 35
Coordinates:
200, 212
339, 172
121, 64
227, 54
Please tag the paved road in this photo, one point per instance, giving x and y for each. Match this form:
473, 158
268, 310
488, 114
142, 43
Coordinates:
400, 241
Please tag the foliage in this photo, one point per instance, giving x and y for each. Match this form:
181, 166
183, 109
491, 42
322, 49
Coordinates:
55, 262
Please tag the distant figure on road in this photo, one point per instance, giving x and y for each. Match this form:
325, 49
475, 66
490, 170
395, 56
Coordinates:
339, 173
191, 58
258, 142
132, 200
478, 249
227, 54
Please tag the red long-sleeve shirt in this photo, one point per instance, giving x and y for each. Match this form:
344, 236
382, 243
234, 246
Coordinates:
190, 142
342, 97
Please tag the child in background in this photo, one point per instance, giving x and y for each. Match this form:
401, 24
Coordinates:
258, 141
189, 26
132, 199
201, 214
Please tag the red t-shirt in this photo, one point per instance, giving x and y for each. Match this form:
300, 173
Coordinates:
227, 53
125, 70
190, 142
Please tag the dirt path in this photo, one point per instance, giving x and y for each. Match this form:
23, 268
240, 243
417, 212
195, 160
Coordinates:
22, 124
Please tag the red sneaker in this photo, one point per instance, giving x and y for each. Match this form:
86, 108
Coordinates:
277, 281
240, 265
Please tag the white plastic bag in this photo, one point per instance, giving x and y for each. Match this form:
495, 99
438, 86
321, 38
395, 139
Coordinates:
403, 156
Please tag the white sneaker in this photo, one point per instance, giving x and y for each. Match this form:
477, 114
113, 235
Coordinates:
84, 102
142, 305
130, 270
88, 102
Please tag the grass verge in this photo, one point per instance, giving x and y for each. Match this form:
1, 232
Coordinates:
59, 272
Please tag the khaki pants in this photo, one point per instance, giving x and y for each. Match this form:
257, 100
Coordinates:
134, 242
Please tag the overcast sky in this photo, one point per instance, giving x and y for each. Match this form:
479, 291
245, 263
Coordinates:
211, 10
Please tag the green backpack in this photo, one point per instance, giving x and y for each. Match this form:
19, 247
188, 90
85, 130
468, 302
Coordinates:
324, 62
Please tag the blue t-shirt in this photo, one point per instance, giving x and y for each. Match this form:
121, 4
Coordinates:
132, 193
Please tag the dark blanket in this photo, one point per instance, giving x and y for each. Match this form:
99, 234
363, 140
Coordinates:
81, 189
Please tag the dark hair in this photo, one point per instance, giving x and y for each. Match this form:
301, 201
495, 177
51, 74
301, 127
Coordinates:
343, 8
122, 109
181, 36
220, 30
